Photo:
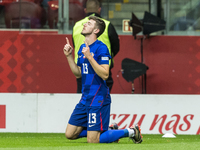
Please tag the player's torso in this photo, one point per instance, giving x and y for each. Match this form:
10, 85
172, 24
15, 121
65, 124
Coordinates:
94, 89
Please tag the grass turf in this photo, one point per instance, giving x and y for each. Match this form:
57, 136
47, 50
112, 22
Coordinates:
57, 141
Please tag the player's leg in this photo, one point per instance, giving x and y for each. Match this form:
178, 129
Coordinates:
134, 133
113, 135
110, 136
72, 132
77, 123
93, 136
98, 121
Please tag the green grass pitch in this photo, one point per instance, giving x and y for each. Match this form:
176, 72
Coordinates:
57, 141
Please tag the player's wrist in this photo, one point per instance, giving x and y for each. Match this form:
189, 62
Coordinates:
90, 57
69, 55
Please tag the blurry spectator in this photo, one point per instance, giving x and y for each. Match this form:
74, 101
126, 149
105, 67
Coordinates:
32, 15
76, 12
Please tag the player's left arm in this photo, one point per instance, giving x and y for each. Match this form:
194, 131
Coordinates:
101, 70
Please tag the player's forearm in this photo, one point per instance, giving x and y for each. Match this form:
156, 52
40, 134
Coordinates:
73, 66
101, 70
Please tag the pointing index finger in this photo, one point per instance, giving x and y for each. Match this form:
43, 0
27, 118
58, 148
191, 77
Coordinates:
67, 40
86, 44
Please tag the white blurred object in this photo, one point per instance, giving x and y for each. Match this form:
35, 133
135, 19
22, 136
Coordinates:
169, 135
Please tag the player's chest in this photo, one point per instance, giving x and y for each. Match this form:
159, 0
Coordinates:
83, 59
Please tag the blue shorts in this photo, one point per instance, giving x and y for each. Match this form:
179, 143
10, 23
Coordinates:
94, 118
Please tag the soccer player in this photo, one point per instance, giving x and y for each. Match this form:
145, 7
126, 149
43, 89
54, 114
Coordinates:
91, 115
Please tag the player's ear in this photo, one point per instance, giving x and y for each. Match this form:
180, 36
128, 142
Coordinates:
96, 31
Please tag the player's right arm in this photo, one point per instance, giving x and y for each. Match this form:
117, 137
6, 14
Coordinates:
73, 66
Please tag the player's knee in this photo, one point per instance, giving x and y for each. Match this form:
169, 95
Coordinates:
68, 135
92, 140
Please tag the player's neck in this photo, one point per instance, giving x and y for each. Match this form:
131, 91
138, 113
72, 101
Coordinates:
90, 39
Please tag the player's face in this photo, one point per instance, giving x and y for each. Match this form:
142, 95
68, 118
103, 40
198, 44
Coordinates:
88, 27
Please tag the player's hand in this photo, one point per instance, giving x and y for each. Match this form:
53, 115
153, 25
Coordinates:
67, 48
86, 50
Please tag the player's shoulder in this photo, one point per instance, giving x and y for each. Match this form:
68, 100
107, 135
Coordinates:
101, 47
100, 43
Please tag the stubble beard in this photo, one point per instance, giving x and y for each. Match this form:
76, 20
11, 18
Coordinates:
85, 34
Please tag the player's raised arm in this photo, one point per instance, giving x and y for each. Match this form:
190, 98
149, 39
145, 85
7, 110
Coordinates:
73, 66
86, 51
67, 48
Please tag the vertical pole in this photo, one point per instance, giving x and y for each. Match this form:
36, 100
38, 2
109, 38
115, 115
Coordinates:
20, 18
133, 89
142, 61
108, 9
143, 76
145, 83
66, 16
60, 17
141, 49
159, 9
149, 5
168, 16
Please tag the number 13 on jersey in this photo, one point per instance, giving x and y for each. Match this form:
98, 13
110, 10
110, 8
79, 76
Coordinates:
85, 68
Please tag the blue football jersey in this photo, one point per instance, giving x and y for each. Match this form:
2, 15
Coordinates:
94, 89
